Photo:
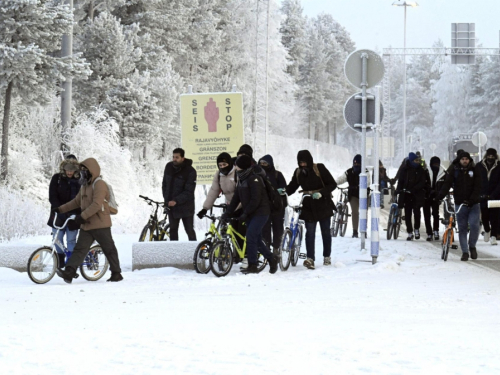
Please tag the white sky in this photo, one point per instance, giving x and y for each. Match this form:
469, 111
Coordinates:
375, 24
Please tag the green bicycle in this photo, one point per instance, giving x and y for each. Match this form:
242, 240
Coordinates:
201, 258
227, 251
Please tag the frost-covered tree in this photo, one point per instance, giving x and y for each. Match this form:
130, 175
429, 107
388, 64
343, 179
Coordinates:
293, 35
30, 36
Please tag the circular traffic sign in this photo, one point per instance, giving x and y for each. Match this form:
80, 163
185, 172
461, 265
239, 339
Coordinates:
353, 68
352, 112
479, 139
433, 146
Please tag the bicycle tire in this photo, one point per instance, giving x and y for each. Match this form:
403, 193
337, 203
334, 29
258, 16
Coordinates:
143, 237
40, 263
397, 226
390, 223
443, 243
286, 249
446, 247
345, 220
296, 247
221, 259
95, 265
334, 230
164, 233
262, 262
201, 257
337, 221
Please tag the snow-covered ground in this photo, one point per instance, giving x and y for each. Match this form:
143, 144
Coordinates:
411, 313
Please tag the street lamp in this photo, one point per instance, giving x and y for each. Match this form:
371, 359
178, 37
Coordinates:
404, 4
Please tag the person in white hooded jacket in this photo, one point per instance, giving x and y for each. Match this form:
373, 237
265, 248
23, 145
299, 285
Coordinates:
437, 175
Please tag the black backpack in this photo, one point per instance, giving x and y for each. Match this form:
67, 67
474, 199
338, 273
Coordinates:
275, 199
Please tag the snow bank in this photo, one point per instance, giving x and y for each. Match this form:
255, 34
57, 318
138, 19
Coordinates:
16, 256
177, 254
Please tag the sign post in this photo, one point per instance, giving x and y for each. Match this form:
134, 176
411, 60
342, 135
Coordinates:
479, 139
375, 204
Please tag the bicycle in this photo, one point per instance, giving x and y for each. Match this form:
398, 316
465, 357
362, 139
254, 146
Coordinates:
341, 216
227, 251
42, 264
449, 232
158, 229
201, 257
395, 217
289, 251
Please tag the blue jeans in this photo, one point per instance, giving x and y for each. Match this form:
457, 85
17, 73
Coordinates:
468, 218
254, 239
70, 239
311, 237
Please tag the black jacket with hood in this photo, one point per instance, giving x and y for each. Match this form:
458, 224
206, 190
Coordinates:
415, 180
490, 181
275, 177
466, 182
252, 194
179, 184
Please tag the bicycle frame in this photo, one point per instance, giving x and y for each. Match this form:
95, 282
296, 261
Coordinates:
231, 233
295, 222
158, 232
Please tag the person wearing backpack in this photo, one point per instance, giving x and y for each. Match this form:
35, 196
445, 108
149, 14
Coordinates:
252, 194
94, 200
316, 180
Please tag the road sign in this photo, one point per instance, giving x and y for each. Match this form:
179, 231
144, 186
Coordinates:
353, 68
479, 139
352, 112
432, 146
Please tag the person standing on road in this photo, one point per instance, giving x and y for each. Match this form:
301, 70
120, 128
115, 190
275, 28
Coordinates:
431, 206
179, 184
489, 169
94, 222
466, 183
316, 180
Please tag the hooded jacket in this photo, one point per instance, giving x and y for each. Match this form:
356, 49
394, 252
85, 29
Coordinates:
490, 181
436, 179
415, 180
275, 177
466, 183
91, 200
179, 185
221, 183
313, 209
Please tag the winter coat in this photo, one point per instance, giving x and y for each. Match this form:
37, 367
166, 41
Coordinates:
490, 181
436, 179
62, 190
275, 177
179, 185
91, 200
252, 194
352, 180
221, 183
414, 180
313, 209
466, 184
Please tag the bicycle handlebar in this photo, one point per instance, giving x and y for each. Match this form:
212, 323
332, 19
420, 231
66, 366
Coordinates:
72, 217
149, 200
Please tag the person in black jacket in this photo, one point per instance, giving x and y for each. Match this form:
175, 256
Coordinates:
412, 187
436, 177
316, 180
489, 169
275, 222
466, 183
252, 194
63, 188
179, 183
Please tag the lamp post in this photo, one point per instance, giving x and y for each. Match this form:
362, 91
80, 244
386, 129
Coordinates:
404, 4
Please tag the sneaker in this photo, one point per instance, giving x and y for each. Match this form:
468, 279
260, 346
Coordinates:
436, 235
115, 277
473, 253
465, 257
309, 263
252, 268
493, 241
382, 206
417, 234
327, 261
429, 237
244, 264
273, 264
354, 234
487, 236
410, 237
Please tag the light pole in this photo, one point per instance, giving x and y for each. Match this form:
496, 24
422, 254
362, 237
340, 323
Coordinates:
404, 4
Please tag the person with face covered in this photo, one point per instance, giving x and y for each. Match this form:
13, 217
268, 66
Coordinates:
179, 184
316, 180
466, 183
412, 187
63, 188
251, 193
489, 169
94, 222
436, 177
275, 224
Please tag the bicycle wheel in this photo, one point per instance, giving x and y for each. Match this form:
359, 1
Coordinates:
164, 233
42, 265
286, 250
201, 258
397, 225
296, 247
95, 264
262, 262
221, 259
390, 223
147, 233
345, 220
447, 244
334, 230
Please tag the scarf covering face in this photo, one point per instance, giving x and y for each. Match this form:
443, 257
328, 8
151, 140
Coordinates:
243, 174
84, 177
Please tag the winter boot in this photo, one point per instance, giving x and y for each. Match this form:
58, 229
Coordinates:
273, 264
354, 234
429, 237
244, 264
252, 268
417, 234
68, 274
486, 236
473, 253
436, 235
327, 261
410, 237
276, 251
493, 241
61, 258
309, 263
115, 277
465, 257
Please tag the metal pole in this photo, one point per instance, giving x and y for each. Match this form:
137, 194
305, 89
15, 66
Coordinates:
375, 234
404, 92
267, 75
363, 201
66, 50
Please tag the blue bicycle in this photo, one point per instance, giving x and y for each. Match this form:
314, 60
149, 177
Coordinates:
289, 251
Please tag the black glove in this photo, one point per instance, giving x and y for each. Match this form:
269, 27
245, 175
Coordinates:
242, 218
224, 217
466, 203
55, 210
79, 220
202, 213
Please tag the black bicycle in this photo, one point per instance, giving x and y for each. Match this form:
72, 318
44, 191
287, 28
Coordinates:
155, 229
341, 216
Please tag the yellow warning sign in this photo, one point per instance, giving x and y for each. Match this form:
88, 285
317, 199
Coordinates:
211, 124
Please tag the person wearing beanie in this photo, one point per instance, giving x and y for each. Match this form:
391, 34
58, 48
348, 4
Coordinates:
436, 176
351, 176
412, 187
466, 182
251, 193
275, 224
245, 150
316, 181
489, 169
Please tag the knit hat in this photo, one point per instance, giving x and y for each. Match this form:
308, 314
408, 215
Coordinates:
71, 156
245, 149
224, 158
491, 152
412, 156
465, 154
357, 159
244, 161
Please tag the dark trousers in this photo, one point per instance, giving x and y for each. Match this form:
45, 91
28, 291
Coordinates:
468, 221
311, 237
188, 223
255, 244
431, 207
104, 238
275, 223
411, 209
491, 220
